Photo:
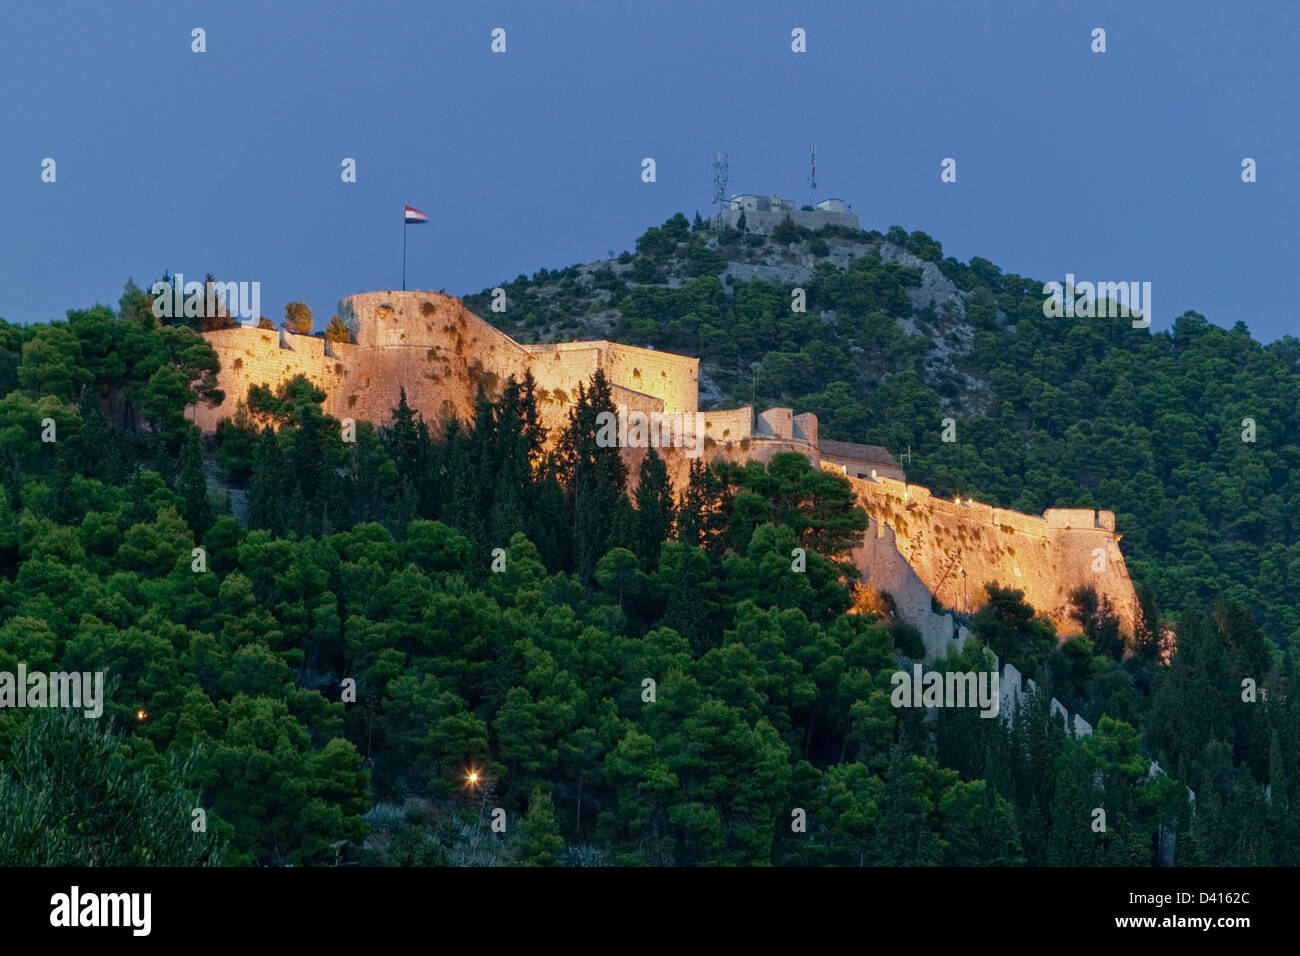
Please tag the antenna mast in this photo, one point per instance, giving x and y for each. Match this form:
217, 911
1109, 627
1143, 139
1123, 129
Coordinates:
812, 177
721, 178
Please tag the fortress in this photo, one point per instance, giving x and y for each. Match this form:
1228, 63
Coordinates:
438, 351
926, 552
762, 214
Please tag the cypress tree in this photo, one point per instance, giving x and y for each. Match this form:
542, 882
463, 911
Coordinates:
402, 438
702, 515
310, 475
460, 505
193, 487
534, 432
549, 525
1072, 841
267, 491
594, 473
904, 837
654, 509
513, 487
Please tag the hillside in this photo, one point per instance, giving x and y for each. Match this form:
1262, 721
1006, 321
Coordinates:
1049, 412
902, 291
378, 644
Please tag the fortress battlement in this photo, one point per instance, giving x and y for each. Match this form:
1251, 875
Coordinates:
430, 345
1052, 520
957, 547
441, 354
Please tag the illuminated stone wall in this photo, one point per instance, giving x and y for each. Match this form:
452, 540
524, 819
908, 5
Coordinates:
956, 549
441, 353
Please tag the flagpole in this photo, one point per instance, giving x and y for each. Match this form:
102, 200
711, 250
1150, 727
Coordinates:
403, 250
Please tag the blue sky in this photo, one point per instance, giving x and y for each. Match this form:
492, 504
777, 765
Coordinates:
1121, 166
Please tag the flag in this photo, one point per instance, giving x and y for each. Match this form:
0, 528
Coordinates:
414, 215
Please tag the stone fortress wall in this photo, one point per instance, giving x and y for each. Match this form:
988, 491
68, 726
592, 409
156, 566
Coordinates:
957, 548
917, 545
730, 425
885, 569
673, 379
440, 353
764, 213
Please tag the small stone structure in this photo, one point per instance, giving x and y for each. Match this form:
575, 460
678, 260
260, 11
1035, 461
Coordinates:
764, 213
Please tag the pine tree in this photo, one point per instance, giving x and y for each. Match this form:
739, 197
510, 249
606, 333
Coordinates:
684, 574
460, 506
623, 530
1146, 631
481, 461
441, 472
690, 511
373, 490
542, 843
534, 431
236, 440
419, 464
998, 759
89, 451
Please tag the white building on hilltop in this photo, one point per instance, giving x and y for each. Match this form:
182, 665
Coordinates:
764, 213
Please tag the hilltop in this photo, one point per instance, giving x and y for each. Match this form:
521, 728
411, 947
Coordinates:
904, 304
896, 337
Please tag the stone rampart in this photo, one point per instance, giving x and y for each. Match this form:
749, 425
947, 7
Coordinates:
729, 425
956, 548
441, 353
884, 569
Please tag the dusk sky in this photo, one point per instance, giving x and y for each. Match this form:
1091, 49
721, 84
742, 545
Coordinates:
1122, 166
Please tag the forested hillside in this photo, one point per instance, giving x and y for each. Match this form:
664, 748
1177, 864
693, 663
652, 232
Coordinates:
421, 627
1068, 412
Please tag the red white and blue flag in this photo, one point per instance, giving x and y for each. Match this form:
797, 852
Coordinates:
414, 215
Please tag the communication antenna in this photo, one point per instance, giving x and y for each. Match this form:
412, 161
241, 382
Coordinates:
812, 176
721, 179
